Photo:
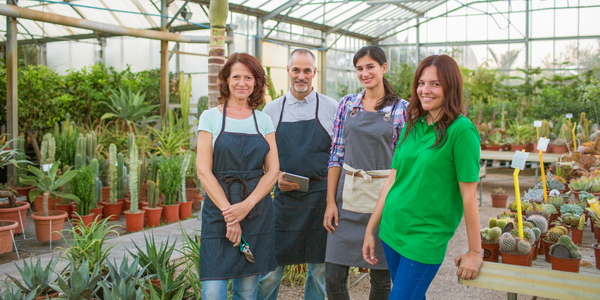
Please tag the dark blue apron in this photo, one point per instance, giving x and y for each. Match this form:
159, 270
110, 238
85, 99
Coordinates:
238, 166
303, 149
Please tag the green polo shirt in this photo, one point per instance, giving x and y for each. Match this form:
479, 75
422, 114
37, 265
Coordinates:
424, 206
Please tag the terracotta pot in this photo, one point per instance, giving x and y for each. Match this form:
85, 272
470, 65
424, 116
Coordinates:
597, 234
553, 218
185, 210
506, 148
152, 216
134, 221
142, 204
97, 211
122, 201
534, 250
516, 259
190, 193
105, 193
597, 254
7, 229
547, 245
143, 193
24, 191
127, 204
38, 203
541, 244
171, 213
577, 236
87, 220
155, 282
12, 214
112, 211
567, 265
534, 148
482, 146
559, 149
197, 200
518, 147
592, 227
494, 148
499, 200
50, 296
43, 225
490, 252
65, 207
576, 193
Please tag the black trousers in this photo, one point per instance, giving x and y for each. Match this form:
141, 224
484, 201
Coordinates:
336, 281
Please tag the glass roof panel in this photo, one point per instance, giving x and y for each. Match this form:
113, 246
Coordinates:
128, 19
236, 1
95, 13
256, 3
59, 9
353, 9
272, 5
300, 11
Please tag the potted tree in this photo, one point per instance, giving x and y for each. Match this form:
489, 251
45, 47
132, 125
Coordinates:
169, 184
48, 185
13, 210
499, 197
153, 212
112, 208
84, 185
134, 217
565, 255
185, 204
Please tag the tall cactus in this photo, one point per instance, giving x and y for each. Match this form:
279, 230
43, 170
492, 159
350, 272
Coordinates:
91, 142
81, 147
133, 163
184, 167
142, 168
48, 150
153, 194
97, 183
120, 176
112, 173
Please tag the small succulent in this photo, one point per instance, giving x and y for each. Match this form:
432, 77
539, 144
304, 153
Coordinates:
551, 183
571, 209
534, 195
523, 247
491, 235
81, 284
568, 243
499, 191
553, 193
582, 183
35, 277
556, 232
539, 222
508, 244
549, 208
556, 201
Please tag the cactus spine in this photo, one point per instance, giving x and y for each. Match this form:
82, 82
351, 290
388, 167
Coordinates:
120, 176
153, 194
184, 166
133, 163
112, 173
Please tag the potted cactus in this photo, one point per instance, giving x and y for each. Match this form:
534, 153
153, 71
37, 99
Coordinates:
121, 181
185, 204
597, 254
48, 150
499, 197
84, 185
489, 241
112, 208
514, 250
134, 217
552, 238
577, 231
48, 184
169, 185
153, 212
565, 255
541, 224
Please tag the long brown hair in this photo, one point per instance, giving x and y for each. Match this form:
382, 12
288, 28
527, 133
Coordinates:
378, 55
450, 79
257, 98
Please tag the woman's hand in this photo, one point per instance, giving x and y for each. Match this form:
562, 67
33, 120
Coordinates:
331, 214
285, 185
368, 249
237, 212
468, 265
234, 234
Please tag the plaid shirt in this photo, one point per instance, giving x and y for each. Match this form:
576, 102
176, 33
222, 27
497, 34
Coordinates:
336, 156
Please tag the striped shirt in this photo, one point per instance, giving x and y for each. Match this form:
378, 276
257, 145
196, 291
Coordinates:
336, 156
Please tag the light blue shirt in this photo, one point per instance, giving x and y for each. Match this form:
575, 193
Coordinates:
304, 109
212, 121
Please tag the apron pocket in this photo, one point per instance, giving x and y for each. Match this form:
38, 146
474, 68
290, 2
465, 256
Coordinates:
362, 188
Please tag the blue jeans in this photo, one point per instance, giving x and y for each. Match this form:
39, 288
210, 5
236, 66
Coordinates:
313, 289
244, 288
414, 278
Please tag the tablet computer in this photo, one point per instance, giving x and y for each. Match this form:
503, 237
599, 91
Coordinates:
301, 180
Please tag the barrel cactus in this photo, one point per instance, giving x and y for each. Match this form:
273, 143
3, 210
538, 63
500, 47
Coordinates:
555, 233
508, 244
566, 241
493, 222
523, 247
539, 222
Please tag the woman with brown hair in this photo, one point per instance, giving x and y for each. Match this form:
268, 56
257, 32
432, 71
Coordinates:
432, 183
238, 166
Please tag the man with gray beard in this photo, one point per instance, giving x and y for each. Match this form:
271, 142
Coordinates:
303, 120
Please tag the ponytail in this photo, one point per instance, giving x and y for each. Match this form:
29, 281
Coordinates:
389, 98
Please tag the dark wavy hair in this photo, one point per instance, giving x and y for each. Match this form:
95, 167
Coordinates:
257, 98
450, 79
378, 55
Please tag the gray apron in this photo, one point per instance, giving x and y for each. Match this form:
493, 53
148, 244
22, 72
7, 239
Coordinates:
368, 146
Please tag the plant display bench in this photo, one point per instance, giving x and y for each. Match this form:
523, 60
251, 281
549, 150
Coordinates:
537, 281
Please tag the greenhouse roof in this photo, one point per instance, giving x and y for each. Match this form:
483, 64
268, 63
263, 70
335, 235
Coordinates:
365, 19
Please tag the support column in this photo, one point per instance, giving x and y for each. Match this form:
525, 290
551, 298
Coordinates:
418, 41
102, 42
230, 46
12, 104
164, 61
42, 57
527, 41
177, 59
323, 71
258, 40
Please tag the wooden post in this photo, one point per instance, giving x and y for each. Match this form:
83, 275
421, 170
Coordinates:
164, 61
12, 104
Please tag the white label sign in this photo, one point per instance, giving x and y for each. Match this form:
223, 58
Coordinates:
537, 123
543, 144
47, 167
519, 160
569, 116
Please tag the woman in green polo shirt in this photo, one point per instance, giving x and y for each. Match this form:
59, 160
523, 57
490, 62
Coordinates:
433, 181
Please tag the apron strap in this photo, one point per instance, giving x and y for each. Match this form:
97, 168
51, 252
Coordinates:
222, 124
280, 115
228, 180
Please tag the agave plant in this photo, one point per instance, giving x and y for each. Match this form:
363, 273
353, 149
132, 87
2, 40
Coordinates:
122, 281
35, 277
172, 138
16, 294
129, 109
81, 283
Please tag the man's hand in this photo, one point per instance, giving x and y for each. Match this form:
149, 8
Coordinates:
285, 185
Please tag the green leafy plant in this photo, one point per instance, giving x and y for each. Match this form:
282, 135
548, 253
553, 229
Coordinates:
522, 134
84, 187
81, 283
172, 138
121, 280
112, 173
16, 294
154, 257
35, 277
129, 109
170, 178
48, 184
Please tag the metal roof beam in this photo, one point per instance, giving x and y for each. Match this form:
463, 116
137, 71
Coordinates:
414, 11
354, 18
177, 14
280, 9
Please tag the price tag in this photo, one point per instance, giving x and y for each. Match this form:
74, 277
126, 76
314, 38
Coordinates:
569, 116
543, 144
519, 160
47, 167
537, 123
